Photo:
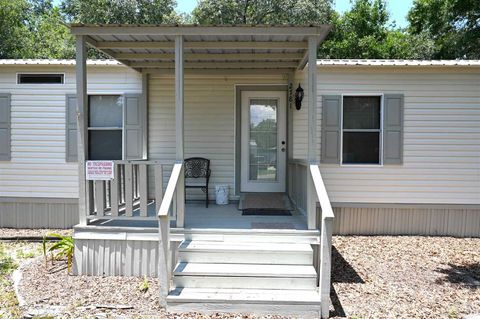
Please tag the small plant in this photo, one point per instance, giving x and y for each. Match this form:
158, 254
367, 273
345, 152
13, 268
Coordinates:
144, 285
7, 264
452, 313
22, 254
62, 248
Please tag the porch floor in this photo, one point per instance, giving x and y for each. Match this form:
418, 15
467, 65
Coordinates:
217, 217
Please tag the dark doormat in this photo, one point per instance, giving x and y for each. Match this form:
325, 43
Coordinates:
265, 212
265, 204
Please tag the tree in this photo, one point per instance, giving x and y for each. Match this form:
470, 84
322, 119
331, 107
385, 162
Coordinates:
262, 12
454, 26
120, 11
14, 34
365, 33
51, 39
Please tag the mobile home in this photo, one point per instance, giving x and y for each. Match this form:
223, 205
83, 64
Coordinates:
305, 148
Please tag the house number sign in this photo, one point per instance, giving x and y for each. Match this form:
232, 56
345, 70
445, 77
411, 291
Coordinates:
99, 170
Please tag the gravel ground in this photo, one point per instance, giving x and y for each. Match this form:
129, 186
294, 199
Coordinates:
22, 232
406, 277
373, 277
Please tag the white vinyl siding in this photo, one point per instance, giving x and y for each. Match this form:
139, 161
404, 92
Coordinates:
441, 160
209, 122
38, 167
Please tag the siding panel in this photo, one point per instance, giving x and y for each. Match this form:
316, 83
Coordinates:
38, 167
407, 221
441, 137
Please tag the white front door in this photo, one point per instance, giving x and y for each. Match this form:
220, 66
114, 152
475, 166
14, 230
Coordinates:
264, 149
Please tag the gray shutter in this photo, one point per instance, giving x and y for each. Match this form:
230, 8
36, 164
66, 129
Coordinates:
5, 127
71, 128
331, 114
393, 129
135, 123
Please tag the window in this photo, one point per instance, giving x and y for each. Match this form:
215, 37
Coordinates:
105, 127
40, 79
361, 130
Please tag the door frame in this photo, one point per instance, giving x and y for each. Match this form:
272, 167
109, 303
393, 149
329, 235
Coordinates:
239, 88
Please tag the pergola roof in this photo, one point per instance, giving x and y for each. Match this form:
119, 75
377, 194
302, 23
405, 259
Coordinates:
205, 47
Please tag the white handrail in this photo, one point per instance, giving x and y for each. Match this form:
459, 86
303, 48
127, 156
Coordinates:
327, 211
325, 255
164, 270
170, 191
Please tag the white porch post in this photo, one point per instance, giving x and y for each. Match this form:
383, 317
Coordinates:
179, 130
82, 104
312, 129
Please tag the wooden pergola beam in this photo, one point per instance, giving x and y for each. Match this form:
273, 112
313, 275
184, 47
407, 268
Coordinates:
167, 45
216, 65
190, 30
209, 56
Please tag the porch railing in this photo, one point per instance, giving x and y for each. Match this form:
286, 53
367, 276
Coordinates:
127, 195
326, 230
165, 253
297, 183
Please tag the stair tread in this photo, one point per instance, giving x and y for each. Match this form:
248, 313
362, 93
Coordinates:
240, 270
220, 246
307, 296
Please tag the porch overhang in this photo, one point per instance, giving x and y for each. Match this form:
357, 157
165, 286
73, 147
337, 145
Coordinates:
146, 48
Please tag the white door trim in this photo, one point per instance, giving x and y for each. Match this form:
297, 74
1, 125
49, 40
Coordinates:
279, 185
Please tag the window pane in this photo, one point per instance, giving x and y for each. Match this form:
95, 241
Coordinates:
105, 145
361, 112
40, 78
105, 111
361, 147
263, 139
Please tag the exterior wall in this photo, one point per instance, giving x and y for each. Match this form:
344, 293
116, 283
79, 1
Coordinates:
209, 122
431, 221
37, 169
21, 212
441, 136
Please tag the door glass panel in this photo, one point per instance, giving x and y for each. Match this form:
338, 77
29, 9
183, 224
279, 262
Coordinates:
263, 139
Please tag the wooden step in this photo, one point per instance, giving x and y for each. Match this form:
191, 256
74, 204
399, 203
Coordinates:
245, 252
300, 297
250, 235
254, 276
295, 303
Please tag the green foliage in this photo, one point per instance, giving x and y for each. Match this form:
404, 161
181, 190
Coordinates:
120, 11
51, 38
453, 25
62, 248
14, 34
364, 33
262, 12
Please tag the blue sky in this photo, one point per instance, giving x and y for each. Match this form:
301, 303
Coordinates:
397, 8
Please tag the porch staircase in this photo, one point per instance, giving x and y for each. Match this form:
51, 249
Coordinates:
252, 273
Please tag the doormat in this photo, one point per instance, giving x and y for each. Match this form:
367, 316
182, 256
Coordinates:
265, 212
258, 225
264, 204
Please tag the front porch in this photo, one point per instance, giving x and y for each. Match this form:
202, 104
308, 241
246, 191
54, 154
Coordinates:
140, 222
197, 216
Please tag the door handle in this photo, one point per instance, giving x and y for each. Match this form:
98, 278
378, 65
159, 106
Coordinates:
283, 149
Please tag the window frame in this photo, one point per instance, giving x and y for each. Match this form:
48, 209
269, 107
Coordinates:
380, 151
18, 74
109, 128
